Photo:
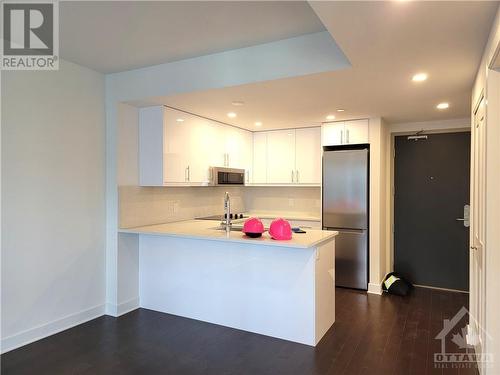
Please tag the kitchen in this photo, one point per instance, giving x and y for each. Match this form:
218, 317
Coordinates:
174, 149
233, 202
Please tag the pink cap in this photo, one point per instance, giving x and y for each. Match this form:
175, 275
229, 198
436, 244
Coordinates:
253, 225
280, 229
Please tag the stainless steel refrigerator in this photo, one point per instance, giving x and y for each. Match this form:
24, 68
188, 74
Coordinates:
345, 209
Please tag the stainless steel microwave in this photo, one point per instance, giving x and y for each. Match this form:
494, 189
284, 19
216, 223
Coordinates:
222, 176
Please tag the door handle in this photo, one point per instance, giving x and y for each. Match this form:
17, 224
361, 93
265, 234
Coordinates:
473, 247
466, 218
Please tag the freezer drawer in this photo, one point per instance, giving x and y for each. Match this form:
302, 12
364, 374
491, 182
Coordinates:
351, 258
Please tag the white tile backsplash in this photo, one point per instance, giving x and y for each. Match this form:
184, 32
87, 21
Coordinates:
152, 205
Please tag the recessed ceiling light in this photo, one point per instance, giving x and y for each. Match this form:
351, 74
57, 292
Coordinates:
231, 115
180, 120
237, 103
442, 106
340, 110
258, 123
419, 77
330, 117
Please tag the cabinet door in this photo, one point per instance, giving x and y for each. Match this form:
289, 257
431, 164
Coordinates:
259, 167
203, 147
308, 156
333, 133
356, 132
247, 154
281, 157
176, 138
239, 144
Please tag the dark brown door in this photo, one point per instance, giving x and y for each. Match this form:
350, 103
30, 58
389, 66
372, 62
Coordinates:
431, 179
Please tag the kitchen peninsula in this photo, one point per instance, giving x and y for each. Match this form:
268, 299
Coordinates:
283, 289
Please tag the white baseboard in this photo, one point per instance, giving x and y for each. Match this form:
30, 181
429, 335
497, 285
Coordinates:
444, 289
34, 334
374, 288
122, 308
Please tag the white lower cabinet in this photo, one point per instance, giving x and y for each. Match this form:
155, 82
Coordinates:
178, 149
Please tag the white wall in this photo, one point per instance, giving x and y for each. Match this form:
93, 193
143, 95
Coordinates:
53, 202
378, 186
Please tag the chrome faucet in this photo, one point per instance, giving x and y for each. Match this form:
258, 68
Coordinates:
227, 211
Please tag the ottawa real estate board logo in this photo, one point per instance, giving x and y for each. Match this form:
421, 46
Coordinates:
30, 35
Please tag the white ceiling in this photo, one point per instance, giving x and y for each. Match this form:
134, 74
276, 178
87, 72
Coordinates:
386, 43
113, 36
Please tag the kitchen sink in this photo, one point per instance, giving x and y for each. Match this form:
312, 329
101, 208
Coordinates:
234, 228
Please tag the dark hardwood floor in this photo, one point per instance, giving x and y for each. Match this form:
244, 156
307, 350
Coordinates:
372, 335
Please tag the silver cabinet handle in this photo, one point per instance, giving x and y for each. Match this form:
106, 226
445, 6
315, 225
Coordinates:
189, 173
292, 175
185, 174
297, 176
473, 247
341, 137
460, 219
347, 134
248, 176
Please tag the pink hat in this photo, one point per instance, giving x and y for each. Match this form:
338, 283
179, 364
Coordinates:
280, 229
253, 227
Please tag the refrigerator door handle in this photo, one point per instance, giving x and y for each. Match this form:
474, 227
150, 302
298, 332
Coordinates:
346, 230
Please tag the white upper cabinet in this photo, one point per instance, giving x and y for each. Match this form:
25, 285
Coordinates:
238, 148
332, 133
345, 133
308, 156
291, 156
281, 156
356, 131
259, 169
177, 148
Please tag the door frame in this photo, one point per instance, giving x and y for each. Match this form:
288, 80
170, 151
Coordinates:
477, 283
428, 128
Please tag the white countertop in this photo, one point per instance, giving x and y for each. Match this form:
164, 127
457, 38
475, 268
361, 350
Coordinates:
284, 215
205, 229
